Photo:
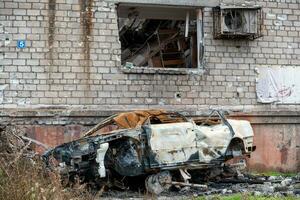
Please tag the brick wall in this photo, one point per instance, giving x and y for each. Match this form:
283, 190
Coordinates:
72, 57
71, 66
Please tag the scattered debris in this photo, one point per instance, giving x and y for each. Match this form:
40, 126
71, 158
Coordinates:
250, 185
158, 183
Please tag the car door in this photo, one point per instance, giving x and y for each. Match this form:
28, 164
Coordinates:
173, 143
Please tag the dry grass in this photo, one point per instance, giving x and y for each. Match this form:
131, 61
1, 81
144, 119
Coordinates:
27, 181
23, 177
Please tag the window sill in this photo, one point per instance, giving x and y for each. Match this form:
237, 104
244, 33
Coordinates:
170, 71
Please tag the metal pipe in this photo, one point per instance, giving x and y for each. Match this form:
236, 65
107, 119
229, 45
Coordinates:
189, 184
187, 24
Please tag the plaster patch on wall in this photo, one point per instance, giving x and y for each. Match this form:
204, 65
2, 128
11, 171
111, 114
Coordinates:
2, 88
149, 100
5, 37
271, 16
23, 101
162, 102
103, 7
14, 79
277, 19
278, 23
282, 17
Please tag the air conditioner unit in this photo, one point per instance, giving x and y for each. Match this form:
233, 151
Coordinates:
237, 22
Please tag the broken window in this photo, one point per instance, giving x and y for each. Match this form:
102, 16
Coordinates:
160, 37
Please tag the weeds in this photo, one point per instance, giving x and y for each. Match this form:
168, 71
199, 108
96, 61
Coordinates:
25, 180
246, 196
274, 173
24, 177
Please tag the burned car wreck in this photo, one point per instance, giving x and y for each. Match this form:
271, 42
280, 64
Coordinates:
162, 146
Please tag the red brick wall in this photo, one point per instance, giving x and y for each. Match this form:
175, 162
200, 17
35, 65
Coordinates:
53, 135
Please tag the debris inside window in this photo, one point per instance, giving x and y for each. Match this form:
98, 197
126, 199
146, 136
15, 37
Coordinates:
158, 41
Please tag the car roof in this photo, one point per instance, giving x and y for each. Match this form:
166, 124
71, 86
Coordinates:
136, 118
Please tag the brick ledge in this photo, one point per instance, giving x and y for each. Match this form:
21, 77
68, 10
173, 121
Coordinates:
170, 71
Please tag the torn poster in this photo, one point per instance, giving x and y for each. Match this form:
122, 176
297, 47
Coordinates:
278, 84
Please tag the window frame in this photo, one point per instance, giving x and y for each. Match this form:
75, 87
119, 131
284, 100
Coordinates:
199, 69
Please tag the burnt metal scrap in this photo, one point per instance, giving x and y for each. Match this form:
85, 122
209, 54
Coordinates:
165, 146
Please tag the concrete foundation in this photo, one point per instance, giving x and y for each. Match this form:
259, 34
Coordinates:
277, 140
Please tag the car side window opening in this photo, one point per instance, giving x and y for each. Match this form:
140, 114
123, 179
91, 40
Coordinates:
214, 118
167, 118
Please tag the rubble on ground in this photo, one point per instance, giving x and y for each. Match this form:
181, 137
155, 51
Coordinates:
278, 186
272, 186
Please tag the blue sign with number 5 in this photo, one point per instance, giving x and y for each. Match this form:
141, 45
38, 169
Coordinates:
21, 44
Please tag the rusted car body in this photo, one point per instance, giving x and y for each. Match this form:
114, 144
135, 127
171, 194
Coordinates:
147, 142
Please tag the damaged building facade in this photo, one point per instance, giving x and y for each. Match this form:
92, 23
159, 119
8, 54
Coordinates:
67, 64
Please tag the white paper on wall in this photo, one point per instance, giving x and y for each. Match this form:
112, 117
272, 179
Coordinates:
278, 84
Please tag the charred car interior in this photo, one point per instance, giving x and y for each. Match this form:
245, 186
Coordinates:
163, 147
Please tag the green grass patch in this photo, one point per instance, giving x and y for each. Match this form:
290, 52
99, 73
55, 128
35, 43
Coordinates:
274, 173
240, 196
